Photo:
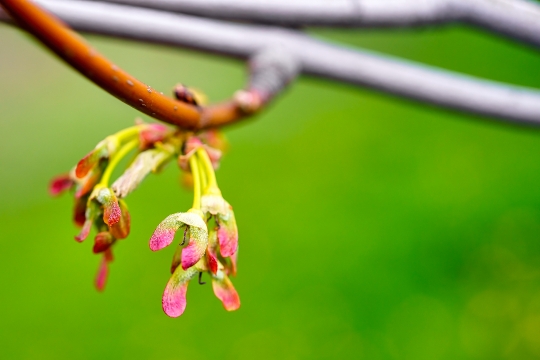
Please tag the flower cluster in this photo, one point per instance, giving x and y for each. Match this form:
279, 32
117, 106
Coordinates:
210, 234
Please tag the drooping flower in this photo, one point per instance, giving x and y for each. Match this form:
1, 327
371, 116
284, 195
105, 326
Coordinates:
102, 207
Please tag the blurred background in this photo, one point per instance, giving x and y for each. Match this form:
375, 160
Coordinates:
370, 227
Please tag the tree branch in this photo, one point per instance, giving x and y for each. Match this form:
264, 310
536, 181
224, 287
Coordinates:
77, 53
427, 84
518, 19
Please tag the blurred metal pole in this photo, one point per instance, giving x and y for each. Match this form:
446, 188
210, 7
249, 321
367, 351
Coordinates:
518, 19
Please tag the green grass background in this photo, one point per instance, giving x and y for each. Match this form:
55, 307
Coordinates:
370, 227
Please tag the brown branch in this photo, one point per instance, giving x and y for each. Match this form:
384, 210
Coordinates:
76, 52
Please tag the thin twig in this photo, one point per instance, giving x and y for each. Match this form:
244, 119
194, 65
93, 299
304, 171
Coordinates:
518, 19
427, 84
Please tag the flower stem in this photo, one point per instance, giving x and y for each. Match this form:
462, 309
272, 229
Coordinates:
193, 164
128, 133
204, 176
115, 159
210, 174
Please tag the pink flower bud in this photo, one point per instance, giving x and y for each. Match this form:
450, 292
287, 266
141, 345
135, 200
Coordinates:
174, 297
225, 291
103, 270
60, 184
120, 230
102, 242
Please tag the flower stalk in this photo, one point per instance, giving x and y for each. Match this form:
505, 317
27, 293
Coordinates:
210, 236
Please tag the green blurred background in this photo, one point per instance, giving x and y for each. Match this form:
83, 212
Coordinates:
370, 227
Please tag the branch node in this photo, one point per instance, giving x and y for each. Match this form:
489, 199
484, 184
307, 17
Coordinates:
270, 71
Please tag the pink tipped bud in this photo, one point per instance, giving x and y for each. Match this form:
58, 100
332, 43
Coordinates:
79, 210
225, 291
85, 230
102, 242
111, 209
174, 297
192, 253
164, 233
121, 229
212, 261
92, 159
86, 164
92, 211
103, 270
60, 184
86, 184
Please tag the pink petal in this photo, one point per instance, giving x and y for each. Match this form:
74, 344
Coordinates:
87, 163
164, 233
102, 242
90, 180
111, 212
174, 296
79, 211
228, 240
192, 253
161, 238
85, 230
102, 274
60, 184
212, 261
174, 300
230, 269
226, 292
111, 208
120, 230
